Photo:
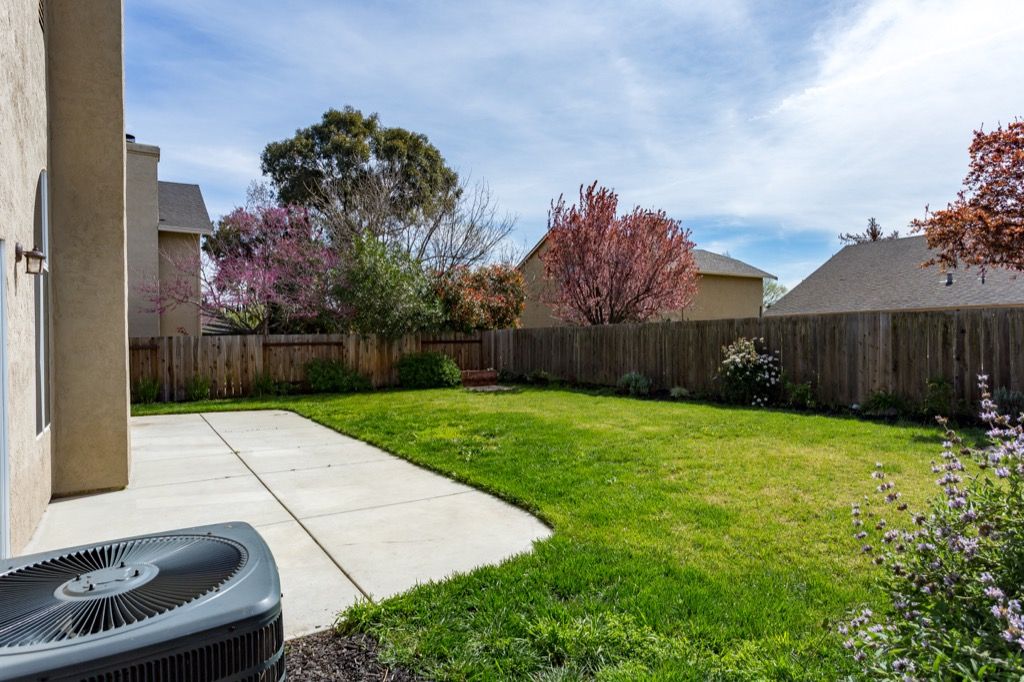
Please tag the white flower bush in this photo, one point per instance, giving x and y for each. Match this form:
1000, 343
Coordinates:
954, 573
750, 375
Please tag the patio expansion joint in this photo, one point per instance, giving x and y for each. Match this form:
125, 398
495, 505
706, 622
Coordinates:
388, 504
351, 579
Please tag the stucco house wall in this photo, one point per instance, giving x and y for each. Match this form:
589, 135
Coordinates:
143, 215
166, 221
23, 155
177, 248
62, 111
720, 298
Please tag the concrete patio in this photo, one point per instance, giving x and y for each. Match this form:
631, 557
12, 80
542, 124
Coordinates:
344, 519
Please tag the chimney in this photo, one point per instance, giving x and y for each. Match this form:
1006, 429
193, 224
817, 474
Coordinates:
949, 279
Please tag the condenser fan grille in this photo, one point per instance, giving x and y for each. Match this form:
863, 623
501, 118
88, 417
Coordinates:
106, 587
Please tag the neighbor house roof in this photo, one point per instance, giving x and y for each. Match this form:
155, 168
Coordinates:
182, 208
708, 263
887, 275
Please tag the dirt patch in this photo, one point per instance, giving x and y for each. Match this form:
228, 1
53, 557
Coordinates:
326, 656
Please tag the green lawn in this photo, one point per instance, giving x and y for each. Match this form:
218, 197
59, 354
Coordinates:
691, 541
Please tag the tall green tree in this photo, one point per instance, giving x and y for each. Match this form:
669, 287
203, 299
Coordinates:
346, 150
385, 291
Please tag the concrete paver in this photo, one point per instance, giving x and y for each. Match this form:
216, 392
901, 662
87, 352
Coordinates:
345, 520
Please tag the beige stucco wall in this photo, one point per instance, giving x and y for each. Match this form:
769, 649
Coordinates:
23, 154
87, 161
535, 312
178, 249
718, 297
143, 220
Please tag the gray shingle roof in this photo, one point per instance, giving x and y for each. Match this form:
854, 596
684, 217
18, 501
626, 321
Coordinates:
709, 263
886, 275
182, 208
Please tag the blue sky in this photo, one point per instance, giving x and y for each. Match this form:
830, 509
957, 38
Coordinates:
766, 127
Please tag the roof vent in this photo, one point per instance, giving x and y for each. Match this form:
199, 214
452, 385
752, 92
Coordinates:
128, 137
949, 279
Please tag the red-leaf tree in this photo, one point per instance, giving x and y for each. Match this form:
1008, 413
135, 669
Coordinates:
488, 297
604, 268
984, 226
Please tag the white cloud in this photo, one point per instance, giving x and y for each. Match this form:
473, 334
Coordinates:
801, 119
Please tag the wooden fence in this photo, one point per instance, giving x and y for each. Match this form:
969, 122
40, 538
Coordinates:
233, 363
846, 357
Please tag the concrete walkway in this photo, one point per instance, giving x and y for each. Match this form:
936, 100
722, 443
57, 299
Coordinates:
344, 520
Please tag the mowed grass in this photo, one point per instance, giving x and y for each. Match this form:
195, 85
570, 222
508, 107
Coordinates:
691, 541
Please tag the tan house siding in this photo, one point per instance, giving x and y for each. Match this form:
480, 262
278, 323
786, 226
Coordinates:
175, 248
536, 313
143, 216
718, 296
23, 155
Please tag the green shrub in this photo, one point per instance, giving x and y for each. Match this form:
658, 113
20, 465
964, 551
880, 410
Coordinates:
800, 396
679, 393
197, 388
540, 378
264, 385
884, 404
635, 384
146, 391
1009, 402
938, 398
332, 376
509, 377
389, 292
428, 370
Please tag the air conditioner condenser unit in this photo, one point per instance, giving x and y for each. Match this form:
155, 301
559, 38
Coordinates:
199, 604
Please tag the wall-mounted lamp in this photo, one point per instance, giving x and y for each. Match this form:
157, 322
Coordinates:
35, 259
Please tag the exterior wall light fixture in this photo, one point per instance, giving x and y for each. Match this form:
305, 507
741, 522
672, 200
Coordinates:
35, 259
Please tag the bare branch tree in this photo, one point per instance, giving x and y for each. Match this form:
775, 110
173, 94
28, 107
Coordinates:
463, 228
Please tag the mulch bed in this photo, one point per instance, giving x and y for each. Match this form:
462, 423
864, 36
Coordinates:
327, 656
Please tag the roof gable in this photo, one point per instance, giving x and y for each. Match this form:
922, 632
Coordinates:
182, 208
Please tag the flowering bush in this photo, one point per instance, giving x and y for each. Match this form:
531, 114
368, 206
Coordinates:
489, 297
749, 374
955, 572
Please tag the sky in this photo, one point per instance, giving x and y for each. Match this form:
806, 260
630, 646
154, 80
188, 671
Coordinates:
766, 127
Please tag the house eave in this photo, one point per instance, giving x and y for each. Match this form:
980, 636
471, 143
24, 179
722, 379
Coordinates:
186, 230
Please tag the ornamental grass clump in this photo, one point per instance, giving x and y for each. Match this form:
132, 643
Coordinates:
954, 573
749, 374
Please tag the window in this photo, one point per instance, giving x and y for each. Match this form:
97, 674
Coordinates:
42, 309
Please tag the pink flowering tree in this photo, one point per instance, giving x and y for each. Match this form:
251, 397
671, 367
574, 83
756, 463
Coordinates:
605, 268
264, 267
